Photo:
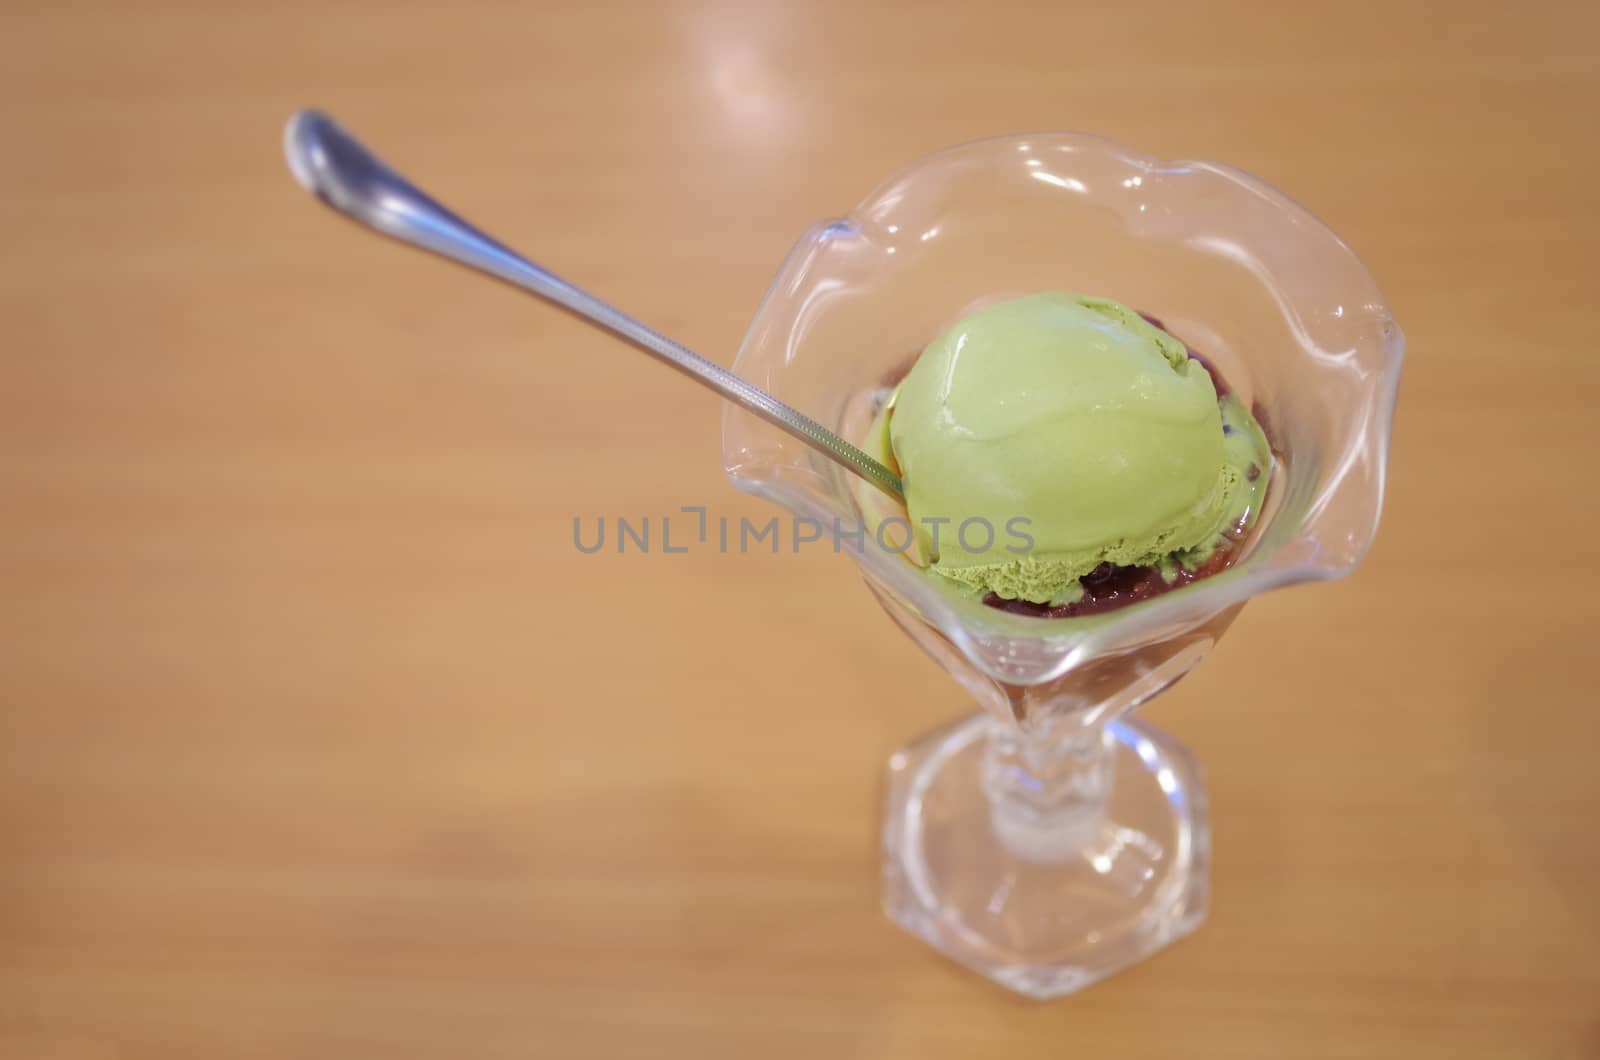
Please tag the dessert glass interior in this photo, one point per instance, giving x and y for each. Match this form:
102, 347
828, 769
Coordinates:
1049, 840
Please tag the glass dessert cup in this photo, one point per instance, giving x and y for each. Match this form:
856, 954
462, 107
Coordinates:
1050, 840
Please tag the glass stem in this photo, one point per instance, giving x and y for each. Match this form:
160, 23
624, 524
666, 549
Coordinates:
1048, 786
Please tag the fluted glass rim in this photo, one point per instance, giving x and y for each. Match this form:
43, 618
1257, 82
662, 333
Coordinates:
986, 635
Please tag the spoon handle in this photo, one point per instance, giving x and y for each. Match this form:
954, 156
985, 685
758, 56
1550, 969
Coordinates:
335, 167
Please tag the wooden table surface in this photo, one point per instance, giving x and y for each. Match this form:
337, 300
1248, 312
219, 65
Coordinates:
317, 739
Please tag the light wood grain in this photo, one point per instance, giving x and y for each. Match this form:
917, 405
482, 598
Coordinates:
317, 739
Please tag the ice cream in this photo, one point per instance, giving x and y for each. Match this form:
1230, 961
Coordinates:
1046, 437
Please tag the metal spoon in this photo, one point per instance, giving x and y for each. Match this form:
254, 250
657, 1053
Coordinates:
335, 167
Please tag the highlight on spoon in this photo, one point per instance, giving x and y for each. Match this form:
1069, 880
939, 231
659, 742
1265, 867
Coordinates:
335, 167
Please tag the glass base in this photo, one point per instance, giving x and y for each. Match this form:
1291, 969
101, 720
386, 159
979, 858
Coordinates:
1045, 919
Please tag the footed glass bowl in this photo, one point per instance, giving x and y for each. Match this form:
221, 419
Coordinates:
1048, 840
